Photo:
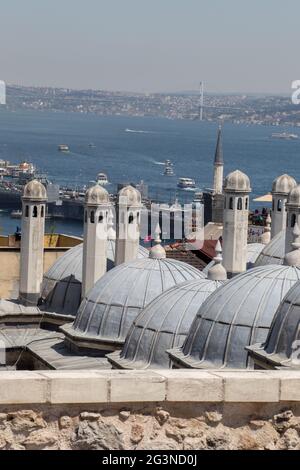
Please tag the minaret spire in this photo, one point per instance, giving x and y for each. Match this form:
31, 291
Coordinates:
218, 165
157, 251
219, 149
217, 272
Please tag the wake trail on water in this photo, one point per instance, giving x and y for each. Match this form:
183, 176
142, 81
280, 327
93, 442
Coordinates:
136, 131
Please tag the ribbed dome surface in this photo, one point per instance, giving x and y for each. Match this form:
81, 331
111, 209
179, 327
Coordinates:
96, 195
129, 195
274, 252
283, 184
162, 325
35, 190
118, 297
239, 314
61, 288
237, 181
282, 347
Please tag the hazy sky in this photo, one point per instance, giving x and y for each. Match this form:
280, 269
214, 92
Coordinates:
151, 45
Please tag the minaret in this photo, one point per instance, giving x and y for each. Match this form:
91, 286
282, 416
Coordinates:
129, 205
265, 238
218, 165
292, 216
217, 195
281, 188
293, 257
96, 210
235, 226
32, 242
217, 272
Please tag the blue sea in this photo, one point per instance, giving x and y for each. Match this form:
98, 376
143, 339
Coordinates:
132, 149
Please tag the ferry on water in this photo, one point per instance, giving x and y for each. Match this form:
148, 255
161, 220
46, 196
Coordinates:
102, 179
168, 171
63, 148
188, 184
285, 136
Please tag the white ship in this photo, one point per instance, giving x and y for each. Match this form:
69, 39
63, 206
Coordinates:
102, 179
63, 148
188, 184
285, 136
168, 171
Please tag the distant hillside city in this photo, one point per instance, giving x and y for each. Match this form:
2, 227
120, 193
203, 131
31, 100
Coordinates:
236, 108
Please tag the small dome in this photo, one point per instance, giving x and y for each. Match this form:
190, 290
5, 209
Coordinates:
274, 252
96, 195
283, 339
130, 196
109, 309
61, 288
294, 196
162, 325
237, 181
283, 185
35, 190
239, 314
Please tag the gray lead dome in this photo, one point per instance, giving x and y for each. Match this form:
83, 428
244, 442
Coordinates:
61, 288
164, 324
274, 252
110, 308
282, 345
239, 314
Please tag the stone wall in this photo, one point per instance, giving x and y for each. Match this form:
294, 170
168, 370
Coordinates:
150, 410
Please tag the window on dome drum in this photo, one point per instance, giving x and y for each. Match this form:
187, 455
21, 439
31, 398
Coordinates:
279, 205
42, 211
130, 219
231, 203
273, 205
27, 211
293, 220
247, 203
35, 211
224, 203
240, 204
92, 218
101, 218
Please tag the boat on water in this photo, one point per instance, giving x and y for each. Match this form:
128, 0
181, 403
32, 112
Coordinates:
63, 148
168, 171
102, 179
284, 136
187, 184
17, 214
92, 145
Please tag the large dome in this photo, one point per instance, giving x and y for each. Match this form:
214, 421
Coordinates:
239, 314
274, 252
108, 311
282, 347
61, 288
162, 325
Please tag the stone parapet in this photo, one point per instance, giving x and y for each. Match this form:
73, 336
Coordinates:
113, 386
